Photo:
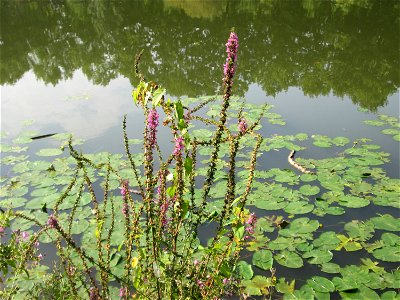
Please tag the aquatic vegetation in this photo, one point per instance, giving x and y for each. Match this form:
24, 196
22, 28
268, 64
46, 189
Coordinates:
134, 223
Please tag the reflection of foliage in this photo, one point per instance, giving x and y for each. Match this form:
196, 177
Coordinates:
347, 47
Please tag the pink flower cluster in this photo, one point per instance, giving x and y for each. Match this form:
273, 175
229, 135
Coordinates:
231, 48
52, 222
179, 145
242, 125
123, 292
250, 224
152, 124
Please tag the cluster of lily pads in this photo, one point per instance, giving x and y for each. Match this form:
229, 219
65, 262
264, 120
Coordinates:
292, 232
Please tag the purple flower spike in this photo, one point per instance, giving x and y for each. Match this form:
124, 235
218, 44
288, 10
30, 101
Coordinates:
124, 187
52, 222
152, 124
179, 145
231, 48
123, 292
25, 235
242, 125
94, 295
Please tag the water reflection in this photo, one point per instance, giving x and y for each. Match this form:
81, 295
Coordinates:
349, 48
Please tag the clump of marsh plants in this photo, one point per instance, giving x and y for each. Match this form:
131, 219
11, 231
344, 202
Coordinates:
147, 237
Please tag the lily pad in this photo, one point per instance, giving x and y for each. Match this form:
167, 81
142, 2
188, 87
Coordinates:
318, 256
386, 222
289, 259
321, 284
245, 270
49, 152
353, 201
299, 207
263, 259
309, 190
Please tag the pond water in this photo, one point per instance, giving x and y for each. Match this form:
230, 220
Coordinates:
326, 66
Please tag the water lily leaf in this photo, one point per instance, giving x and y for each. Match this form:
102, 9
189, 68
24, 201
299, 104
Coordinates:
280, 243
299, 207
348, 243
330, 268
79, 227
391, 131
289, 259
14, 202
308, 177
386, 222
22, 140
321, 284
202, 133
263, 259
353, 201
285, 288
327, 241
374, 123
340, 141
257, 286
309, 190
49, 152
269, 203
396, 137
300, 225
362, 293
318, 256
362, 231
391, 248
389, 295
322, 144
245, 270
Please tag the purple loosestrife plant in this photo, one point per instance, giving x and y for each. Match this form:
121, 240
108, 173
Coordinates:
159, 255
152, 124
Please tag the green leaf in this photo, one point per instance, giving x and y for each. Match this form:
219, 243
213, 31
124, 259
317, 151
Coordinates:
386, 222
318, 256
321, 284
309, 190
263, 259
330, 268
391, 131
245, 270
257, 286
289, 259
188, 164
340, 141
299, 207
353, 201
157, 95
49, 152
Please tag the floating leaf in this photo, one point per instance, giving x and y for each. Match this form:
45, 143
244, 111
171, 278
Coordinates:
360, 230
391, 131
309, 190
289, 259
374, 123
353, 201
321, 284
257, 286
327, 241
330, 268
386, 222
318, 256
299, 207
263, 259
49, 152
245, 270
340, 141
